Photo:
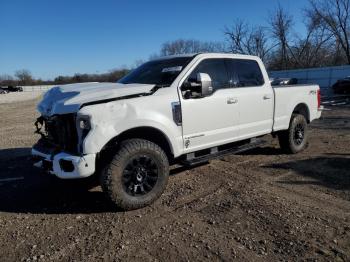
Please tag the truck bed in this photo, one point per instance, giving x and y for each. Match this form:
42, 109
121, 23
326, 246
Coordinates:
288, 97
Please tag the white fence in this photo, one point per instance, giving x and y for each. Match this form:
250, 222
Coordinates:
37, 88
325, 77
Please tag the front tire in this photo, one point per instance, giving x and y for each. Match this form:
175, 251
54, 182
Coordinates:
294, 139
137, 175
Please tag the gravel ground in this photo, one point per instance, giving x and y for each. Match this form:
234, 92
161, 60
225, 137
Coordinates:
19, 96
258, 206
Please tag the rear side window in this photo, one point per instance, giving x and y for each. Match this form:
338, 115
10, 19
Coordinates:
245, 73
216, 69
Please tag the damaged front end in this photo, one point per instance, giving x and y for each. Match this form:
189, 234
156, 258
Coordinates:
64, 131
58, 151
59, 132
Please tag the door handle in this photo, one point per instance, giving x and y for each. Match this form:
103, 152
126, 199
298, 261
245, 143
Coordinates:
232, 100
267, 97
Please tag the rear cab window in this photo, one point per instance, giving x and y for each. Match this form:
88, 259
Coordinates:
244, 73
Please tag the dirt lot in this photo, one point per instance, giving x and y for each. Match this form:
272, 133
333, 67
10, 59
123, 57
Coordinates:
19, 96
261, 205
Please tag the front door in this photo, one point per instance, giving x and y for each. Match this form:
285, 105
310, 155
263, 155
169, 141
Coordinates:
212, 120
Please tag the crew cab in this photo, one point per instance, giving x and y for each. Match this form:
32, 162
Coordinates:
183, 109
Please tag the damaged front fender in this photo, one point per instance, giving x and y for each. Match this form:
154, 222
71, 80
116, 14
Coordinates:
112, 119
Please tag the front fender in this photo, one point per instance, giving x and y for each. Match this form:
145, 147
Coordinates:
112, 119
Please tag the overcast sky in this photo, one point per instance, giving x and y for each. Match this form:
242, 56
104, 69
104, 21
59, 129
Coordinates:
62, 37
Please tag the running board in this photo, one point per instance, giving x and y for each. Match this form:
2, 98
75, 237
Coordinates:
192, 159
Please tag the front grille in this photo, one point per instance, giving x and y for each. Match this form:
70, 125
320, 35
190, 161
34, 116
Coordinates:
60, 131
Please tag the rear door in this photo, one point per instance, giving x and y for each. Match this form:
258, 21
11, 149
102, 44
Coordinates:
211, 120
255, 97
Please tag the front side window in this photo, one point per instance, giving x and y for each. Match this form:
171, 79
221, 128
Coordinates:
157, 72
245, 73
216, 69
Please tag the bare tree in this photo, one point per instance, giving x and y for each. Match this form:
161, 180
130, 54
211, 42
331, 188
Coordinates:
335, 16
286, 49
182, 46
281, 24
243, 39
313, 49
24, 76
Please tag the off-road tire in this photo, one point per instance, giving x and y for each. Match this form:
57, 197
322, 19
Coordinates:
289, 140
113, 176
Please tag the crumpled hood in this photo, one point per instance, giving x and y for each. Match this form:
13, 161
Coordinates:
69, 98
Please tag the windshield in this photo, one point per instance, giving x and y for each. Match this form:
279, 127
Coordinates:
158, 72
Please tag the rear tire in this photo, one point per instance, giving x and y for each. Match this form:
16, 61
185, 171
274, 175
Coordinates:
137, 175
294, 139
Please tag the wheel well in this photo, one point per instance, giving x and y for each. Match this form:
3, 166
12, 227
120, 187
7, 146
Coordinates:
302, 109
148, 133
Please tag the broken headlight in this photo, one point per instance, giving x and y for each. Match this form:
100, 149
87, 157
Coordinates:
84, 123
84, 127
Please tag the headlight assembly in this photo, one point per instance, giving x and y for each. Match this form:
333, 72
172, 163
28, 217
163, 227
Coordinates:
84, 126
84, 123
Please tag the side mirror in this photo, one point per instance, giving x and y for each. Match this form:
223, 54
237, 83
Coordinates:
206, 84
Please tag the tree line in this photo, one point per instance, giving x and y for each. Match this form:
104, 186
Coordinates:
24, 77
325, 43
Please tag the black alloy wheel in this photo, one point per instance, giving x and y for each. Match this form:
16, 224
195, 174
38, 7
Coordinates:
140, 175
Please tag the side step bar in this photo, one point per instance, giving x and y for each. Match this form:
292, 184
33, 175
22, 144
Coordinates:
192, 159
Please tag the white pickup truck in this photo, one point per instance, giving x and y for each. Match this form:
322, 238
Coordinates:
183, 110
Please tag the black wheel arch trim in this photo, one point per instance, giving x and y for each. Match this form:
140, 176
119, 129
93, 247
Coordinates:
302, 109
149, 133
